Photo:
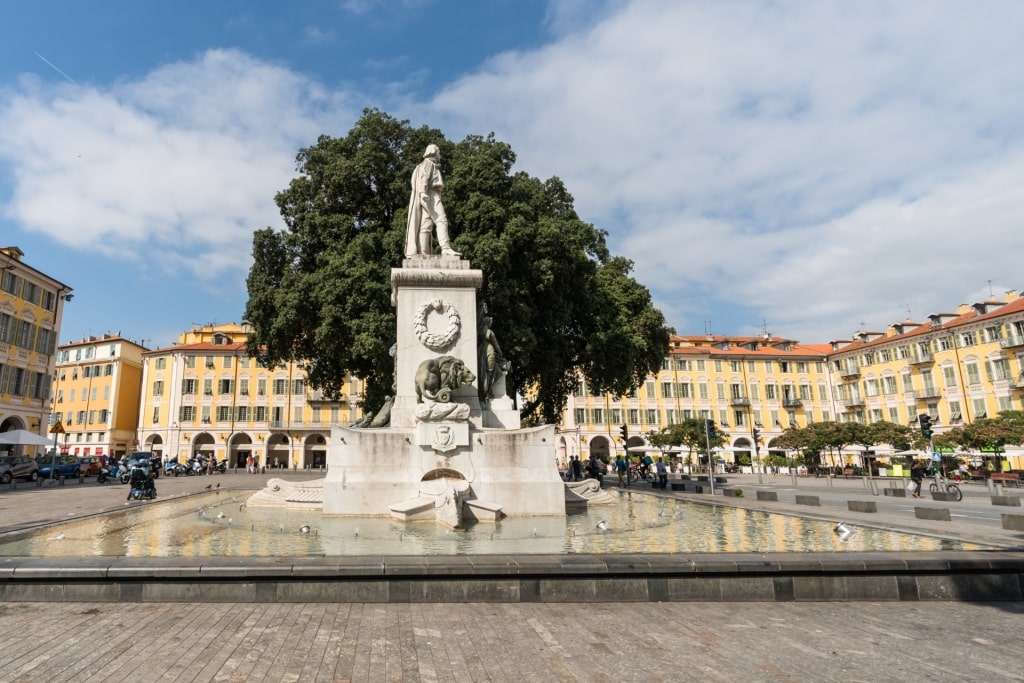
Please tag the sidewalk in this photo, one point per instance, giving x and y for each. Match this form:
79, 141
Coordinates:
975, 518
502, 641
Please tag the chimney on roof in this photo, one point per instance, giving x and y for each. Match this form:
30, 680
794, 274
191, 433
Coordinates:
983, 307
1011, 295
937, 319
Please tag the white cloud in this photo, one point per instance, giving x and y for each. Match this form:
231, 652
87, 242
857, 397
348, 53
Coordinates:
819, 163
185, 161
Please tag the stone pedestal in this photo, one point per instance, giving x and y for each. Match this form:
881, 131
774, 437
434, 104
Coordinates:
371, 470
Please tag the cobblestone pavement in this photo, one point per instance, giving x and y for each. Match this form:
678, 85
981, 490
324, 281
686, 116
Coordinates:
791, 642
501, 642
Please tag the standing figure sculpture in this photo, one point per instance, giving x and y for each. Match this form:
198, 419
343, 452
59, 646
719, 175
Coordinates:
425, 208
490, 363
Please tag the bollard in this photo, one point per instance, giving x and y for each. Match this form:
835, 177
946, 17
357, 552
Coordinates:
988, 483
999, 488
828, 477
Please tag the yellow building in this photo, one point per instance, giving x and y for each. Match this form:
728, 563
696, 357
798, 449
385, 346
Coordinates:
957, 367
96, 395
31, 308
206, 395
742, 383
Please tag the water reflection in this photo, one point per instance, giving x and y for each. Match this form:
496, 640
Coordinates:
210, 525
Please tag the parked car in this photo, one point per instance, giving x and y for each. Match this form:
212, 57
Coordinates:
66, 466
91, 464
18, 467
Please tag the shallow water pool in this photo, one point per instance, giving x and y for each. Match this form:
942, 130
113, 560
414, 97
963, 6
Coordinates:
211, 525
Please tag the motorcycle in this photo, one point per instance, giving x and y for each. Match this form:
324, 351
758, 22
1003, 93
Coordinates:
103, 475
175, 469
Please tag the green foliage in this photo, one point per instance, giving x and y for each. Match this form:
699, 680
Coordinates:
690, 433
319, 291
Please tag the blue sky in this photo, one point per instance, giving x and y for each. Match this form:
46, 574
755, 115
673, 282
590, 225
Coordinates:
820, 168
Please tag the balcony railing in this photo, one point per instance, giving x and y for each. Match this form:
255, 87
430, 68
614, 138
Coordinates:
277, 424
792, 402
1012, 340
921, 358
737, 401
853, 402
849, 370
928, 392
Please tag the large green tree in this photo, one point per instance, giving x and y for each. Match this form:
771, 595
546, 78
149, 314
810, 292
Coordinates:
319, 290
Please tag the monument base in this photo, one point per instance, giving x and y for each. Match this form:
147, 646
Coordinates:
379, 472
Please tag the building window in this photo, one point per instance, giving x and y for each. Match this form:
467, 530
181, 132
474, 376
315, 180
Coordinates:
207, 387
243, 413
298, 386
751, 366
735, 366
634, 416
894, 415
652, 416
223, 413
769, 392
261, 387
720, 391
156, 414
973, 376
597, 416
703, 389
683, 390
190, 362
161, 363
189, 386
186, 414
979, 408
226, 386
739, 418
204, 414
666, 390
580, 416
889, 385
718, 365
701, 365
968, 339
227, 362
280, 387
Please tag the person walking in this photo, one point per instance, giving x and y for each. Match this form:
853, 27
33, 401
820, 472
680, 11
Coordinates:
917, 475
662, 473
620, 469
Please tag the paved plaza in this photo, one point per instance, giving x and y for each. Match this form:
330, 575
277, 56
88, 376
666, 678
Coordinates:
712, 641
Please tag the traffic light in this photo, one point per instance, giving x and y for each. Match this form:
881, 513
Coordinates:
926, 424
757, 435
624, 431
709, 425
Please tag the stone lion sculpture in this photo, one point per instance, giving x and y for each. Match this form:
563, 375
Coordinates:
437, 378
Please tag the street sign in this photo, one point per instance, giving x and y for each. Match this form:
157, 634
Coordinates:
936, 457
57, 428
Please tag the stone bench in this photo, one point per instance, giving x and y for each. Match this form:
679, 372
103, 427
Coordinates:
732, 493
895, 492
932, 513
768, 495
862, 506
807, 500
1013, 522
1008, 501
944, 496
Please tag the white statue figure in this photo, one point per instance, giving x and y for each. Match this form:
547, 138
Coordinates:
425, 207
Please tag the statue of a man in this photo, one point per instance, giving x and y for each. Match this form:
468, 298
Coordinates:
425, 208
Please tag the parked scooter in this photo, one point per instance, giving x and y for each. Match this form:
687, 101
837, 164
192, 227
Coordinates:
104, 475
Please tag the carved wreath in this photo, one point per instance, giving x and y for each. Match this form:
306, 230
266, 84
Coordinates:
437, 342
